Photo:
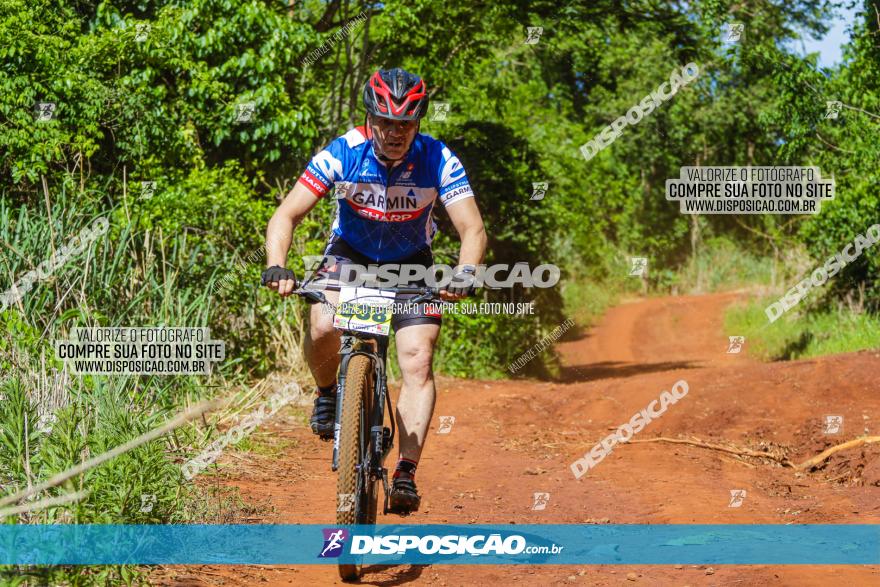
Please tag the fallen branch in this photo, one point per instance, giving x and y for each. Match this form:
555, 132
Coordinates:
807, 464
734, 451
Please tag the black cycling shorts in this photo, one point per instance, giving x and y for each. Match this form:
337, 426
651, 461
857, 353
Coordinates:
339, 253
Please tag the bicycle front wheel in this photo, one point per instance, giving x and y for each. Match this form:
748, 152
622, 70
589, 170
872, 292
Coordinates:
356, 495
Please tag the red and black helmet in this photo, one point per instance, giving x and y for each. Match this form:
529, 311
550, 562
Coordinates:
396, 94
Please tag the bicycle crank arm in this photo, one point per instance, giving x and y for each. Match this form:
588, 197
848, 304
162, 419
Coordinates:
387, 491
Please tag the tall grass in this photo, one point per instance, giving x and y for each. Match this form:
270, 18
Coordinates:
52, 420
801, 334
722, 264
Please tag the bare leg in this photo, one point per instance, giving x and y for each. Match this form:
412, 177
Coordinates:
415, 406
322, 343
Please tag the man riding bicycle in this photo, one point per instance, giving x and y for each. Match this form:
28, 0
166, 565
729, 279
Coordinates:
387, 178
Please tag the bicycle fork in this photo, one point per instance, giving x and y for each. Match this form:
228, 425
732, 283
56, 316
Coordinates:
381, 437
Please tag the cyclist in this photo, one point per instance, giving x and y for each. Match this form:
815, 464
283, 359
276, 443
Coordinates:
387, 178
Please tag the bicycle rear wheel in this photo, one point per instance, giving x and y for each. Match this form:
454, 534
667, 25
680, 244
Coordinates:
356, 495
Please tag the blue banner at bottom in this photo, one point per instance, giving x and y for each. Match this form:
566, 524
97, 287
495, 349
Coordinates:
742, 544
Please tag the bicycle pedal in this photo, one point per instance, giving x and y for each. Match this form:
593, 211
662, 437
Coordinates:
323, 435
405, 509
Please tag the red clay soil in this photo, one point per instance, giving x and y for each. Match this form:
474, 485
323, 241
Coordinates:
514, 438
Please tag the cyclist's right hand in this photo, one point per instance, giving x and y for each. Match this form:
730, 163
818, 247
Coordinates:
279, 278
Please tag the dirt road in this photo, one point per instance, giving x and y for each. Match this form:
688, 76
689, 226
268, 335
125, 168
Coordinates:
512, 439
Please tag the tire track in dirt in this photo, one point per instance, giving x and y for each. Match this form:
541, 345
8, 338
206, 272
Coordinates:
514, 438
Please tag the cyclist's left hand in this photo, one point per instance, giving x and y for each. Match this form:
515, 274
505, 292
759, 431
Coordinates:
462, 285
447, 296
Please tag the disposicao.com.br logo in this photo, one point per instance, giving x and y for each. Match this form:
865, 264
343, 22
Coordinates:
450, 544
334, 542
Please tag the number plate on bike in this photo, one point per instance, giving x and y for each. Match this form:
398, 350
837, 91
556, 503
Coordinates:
364, 310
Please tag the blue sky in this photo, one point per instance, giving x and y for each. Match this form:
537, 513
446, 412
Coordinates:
829, 46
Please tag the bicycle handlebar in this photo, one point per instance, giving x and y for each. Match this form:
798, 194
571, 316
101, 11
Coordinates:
424, 294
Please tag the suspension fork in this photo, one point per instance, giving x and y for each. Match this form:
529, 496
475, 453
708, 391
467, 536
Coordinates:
380, 400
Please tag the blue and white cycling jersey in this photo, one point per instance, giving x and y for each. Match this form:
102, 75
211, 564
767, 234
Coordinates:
386, 217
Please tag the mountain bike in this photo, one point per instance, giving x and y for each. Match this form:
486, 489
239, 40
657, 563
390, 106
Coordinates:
361, 440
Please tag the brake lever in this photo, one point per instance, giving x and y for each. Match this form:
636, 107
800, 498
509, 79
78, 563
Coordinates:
428, 296
313, 295
421, 298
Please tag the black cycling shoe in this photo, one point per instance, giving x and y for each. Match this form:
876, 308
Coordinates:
324, 416
404, 498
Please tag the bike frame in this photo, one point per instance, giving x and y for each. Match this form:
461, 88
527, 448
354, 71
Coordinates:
374, 347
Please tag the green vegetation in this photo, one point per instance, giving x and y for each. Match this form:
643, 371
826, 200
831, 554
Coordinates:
800, 335
161, 104
723, 265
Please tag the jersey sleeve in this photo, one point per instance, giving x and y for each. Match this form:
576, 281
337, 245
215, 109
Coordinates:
326, 168
452, 181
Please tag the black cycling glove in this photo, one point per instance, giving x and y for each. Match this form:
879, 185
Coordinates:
278, 273
462, 283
